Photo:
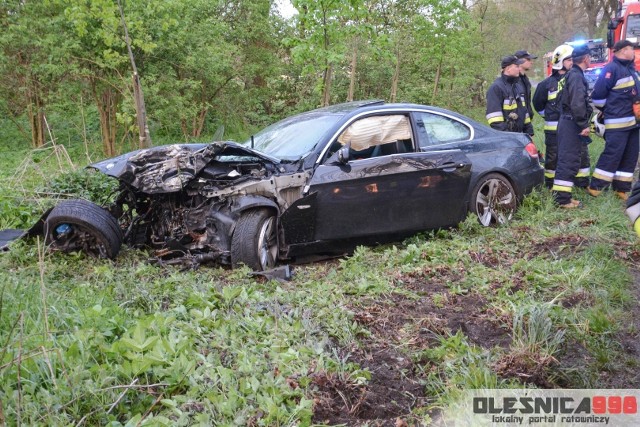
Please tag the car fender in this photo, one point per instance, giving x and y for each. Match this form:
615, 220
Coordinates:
243, 203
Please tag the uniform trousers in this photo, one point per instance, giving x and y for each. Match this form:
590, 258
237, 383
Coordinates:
617, 162
551, 162
571, 149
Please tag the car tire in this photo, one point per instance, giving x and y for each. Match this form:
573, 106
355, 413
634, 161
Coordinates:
493, 200
79, 225
255, 240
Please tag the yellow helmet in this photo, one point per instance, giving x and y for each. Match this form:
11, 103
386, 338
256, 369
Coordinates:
561, 53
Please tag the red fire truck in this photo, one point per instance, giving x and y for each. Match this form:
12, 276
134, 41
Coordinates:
625, 26
599, 58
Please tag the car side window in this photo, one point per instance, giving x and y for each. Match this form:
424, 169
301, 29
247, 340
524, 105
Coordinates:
377, 136
442, 129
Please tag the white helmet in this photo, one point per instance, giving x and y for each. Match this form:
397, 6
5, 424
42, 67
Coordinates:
561, 53
597, 124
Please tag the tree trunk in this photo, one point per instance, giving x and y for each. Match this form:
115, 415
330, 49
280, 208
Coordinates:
437, 81
36, 115
141, 109
36, 122
200, 124
354, 63
451, 78
593, 9
326, 94
396, 78
107, 102
326, 87
141, 116
185, 128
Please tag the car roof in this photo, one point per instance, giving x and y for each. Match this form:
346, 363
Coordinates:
347, 107
379, 104
350, 109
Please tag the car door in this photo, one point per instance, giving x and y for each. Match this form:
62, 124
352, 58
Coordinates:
389, 191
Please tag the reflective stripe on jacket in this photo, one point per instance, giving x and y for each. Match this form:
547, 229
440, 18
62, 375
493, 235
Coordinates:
614, 92
574, 97
507, 106
546, 101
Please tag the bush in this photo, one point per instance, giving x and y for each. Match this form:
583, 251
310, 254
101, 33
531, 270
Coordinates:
87, 184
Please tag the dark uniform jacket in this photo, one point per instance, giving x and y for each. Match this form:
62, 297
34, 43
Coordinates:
527, 93
575, 100
614, 93
507, 107
546, 101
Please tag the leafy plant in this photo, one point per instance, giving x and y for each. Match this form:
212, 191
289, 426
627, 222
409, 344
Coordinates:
83, 184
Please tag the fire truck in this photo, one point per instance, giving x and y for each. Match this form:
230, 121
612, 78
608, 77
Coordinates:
625, 26
599, 57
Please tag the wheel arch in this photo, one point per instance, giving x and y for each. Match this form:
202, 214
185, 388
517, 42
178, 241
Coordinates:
244, 203
474, 182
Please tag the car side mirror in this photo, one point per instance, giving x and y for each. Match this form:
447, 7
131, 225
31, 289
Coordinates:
343, 154
613, 24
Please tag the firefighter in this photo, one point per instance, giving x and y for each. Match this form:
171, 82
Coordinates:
506, 102
614, 93
546, 103
524, 67
573, 127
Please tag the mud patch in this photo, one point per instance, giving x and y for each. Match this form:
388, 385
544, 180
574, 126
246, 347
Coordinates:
386, 400
405, 324
491, 258
439, 311
528, 368
398, 326
579, 298
561, 246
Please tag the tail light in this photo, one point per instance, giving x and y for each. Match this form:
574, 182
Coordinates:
532, 150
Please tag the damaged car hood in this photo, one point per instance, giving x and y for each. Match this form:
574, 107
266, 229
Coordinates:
168, 168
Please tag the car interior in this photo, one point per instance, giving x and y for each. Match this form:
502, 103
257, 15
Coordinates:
378, 136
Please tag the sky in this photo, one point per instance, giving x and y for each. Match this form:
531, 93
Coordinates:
286, 8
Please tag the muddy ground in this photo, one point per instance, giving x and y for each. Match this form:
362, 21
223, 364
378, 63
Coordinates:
403, 325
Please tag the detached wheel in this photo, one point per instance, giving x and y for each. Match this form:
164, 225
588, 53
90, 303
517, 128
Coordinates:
255, 240
78, 225
494, 200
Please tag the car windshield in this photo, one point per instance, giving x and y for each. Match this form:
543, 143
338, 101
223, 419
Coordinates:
598, 53
292, 138
633, 26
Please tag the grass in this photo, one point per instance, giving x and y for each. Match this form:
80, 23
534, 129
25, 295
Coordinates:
546, 301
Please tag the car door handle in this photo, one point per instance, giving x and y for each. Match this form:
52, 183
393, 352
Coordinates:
450, 166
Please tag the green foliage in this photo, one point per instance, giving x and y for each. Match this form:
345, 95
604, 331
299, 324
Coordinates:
534, 331
164, 347
85, 184
232, 64
125, 342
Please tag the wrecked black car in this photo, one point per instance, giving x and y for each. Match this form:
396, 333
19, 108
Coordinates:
319, 182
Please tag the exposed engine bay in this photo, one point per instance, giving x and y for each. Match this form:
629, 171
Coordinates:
184, 200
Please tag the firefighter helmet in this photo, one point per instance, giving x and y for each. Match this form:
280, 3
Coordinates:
597, 124
561, 53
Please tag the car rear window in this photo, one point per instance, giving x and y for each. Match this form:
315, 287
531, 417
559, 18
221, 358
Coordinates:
442, 129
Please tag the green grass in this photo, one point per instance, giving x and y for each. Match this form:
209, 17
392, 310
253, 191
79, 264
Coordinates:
127, 342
